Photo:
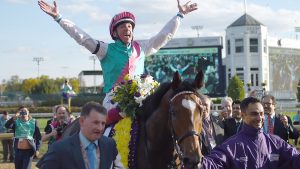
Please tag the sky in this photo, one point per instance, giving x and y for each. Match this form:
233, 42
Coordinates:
27, 32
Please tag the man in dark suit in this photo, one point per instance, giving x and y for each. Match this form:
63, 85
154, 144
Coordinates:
277, 124
233, 125
212, 133
86, 150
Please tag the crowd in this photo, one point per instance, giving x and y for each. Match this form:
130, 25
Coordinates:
162, 68
254, 137
229, 122
27, 138
245, 134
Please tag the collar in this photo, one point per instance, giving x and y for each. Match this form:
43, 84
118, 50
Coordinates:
121, 44
272, 115
85, 142
251, 131
238, 121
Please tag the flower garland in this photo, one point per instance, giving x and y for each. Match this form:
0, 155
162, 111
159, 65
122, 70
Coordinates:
122, 138
133, 145
127, 143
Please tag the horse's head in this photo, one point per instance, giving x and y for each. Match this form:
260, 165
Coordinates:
185, 119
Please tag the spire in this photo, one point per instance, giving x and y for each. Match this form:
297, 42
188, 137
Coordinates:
245, 6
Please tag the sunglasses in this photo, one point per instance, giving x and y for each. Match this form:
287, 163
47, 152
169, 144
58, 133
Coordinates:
23, 113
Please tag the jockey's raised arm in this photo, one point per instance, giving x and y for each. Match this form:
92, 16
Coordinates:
125, 55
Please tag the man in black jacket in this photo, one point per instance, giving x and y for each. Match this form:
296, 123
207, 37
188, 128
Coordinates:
233, 125
277, 124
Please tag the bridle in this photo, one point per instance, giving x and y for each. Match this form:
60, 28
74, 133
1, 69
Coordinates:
177, 140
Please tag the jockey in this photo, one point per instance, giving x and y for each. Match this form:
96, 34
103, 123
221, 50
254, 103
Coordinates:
124, 55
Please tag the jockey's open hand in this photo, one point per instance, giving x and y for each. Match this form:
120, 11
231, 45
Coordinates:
49, 9
187, 8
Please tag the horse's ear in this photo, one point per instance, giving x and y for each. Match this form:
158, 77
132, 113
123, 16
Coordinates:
176, 80
199, 80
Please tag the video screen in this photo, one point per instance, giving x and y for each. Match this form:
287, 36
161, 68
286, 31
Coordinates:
187, 61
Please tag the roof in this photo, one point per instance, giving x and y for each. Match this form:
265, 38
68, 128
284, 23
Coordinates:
245, 20
90, 72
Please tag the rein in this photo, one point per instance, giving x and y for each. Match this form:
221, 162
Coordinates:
177, 140
178, 154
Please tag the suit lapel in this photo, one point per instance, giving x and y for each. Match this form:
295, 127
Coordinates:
102, 152
276, 124
77, 154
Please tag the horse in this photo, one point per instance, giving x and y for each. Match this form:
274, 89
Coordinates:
169, 124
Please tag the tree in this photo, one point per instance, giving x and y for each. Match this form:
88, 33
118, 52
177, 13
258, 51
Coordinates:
29, 85
74, 82
14, 84
298, 91
46, 86
236, 88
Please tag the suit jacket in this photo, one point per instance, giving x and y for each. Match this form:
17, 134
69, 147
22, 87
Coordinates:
285, 133
218, 126
231, 128
66, 154
218, 131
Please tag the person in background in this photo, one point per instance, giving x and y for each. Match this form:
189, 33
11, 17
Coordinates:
67, 91
234, 124
27, 138
6, 144
86, 149
277, 124
54, 130
296, 121
252, 148
226, 111
212, 133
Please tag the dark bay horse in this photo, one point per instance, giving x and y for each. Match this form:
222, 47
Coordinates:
169, 126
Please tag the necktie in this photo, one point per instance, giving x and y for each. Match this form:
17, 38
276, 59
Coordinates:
270, 125
90, 154
238, 126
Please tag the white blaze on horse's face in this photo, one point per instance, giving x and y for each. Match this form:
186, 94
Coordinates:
189, 104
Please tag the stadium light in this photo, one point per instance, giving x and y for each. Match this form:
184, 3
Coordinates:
297, 30
93, 58
38, 60
197, 28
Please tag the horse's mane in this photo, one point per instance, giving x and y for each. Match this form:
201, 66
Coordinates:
151, 103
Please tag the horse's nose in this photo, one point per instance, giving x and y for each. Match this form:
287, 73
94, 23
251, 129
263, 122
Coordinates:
191, 163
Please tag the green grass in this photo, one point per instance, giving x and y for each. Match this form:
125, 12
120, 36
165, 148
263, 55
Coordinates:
42, 123
290, 114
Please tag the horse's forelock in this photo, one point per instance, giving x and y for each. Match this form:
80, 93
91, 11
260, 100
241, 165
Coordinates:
186, 85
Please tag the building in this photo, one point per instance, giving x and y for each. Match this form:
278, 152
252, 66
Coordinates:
262, 61
90, 81
247, 54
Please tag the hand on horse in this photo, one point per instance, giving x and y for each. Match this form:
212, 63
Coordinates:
49, 9
187, 8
